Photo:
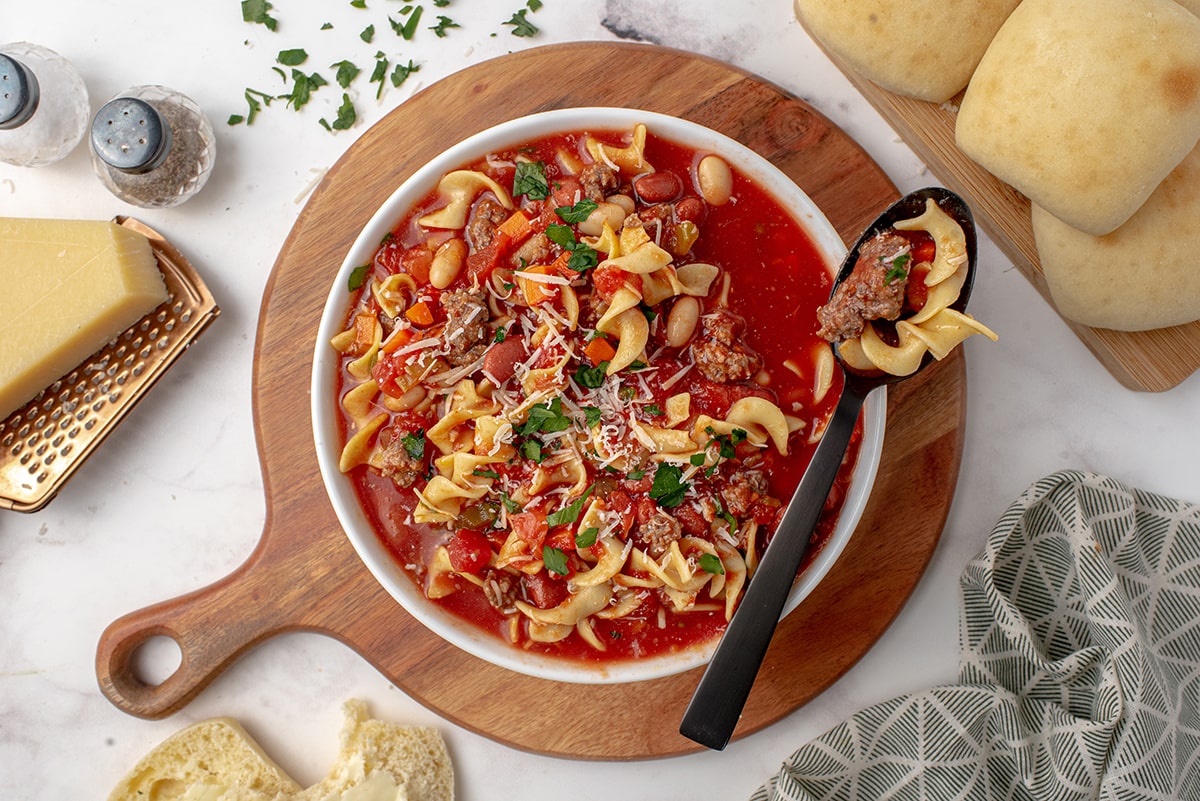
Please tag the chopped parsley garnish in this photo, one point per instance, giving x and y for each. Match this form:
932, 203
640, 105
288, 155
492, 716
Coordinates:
555, 559
577, 213
571, 512
345, 116
547, 417
443, 24
367, 34
484, 473
587, 537
302, 88
530, 181
583, 258
591, 377
636, 475
899, 268
292, 58
726, 448
406, 29
346, 71
401, 72
414, 443
592, 416
522, 26
259, 11
653, 410
512, 506
711, 564
358, 277
501, 333
531, 449
380, 72
669, 488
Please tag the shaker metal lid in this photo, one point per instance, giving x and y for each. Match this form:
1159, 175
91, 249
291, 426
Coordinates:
19, 93
129, 134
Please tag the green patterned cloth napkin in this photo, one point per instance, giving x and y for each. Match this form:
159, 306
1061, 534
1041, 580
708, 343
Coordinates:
1079, 674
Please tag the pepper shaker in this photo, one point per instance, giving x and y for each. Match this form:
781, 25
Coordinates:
43, 105
152, 146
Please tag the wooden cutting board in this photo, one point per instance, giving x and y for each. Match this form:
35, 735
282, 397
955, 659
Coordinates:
1149, 361
304, 575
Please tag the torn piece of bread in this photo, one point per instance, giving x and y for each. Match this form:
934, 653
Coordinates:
213, 760
414, 758
1142, 275
1085, 106
216, 760
910, 47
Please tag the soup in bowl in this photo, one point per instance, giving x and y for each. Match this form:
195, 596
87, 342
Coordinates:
566, 381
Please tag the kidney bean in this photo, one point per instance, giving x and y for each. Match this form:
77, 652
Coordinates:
658, 187
691, 208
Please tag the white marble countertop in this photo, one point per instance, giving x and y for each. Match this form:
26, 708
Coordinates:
174, 501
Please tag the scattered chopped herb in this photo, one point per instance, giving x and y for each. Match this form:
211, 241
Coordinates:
328, 26
669, 487
577, 213
402, 71
899, 268
358, 277
649, 313
259, 11
501, 333
627, 393
546, 418
509, 504
534, 5
726, 445
521, 26
345, 118
406, 29
530, 181
583, 258
441, 3
358, 3
555, 559
347, 71
727, 516
443, 24
711, 564
368, 34
592, 416
653, 410
636, 475
302, 88
292, 58
414, 443
255, 100
587, 537
571, 512
531, 449
591, 377
485, 473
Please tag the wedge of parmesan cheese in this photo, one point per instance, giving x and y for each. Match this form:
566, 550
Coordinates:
68, 287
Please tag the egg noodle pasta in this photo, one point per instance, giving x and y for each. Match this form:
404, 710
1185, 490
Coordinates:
894, 308
562, 407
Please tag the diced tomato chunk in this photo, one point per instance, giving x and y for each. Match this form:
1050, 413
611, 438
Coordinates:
545, 592
469, 551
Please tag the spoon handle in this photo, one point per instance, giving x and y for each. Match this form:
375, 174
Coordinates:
721, 694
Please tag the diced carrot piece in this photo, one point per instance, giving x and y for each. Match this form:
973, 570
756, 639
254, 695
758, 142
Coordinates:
420, 314
598, 350
399, 338
364, 333
513, 231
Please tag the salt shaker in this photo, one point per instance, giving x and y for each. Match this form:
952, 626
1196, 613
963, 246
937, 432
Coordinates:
152, 146
43, 105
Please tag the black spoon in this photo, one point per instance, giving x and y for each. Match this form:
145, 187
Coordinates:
721, 694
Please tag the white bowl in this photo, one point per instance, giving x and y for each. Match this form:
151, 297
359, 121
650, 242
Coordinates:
325, 365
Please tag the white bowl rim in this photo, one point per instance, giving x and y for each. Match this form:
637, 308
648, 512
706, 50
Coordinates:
350, 515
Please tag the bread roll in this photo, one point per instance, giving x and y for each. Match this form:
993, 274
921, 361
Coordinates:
1086, 105
214, 759
1142, 275
910, 47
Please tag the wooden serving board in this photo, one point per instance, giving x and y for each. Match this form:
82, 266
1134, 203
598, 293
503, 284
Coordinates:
1149, 361
304, 575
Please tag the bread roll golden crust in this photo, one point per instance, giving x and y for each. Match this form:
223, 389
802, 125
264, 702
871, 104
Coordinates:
1086, 105
910, 47
1142, 275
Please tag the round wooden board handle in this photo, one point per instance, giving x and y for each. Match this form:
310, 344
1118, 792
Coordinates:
305, 575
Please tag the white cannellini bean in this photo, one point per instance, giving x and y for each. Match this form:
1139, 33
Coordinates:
447, 263
605, 212
715, 179
624, 201
681, 322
